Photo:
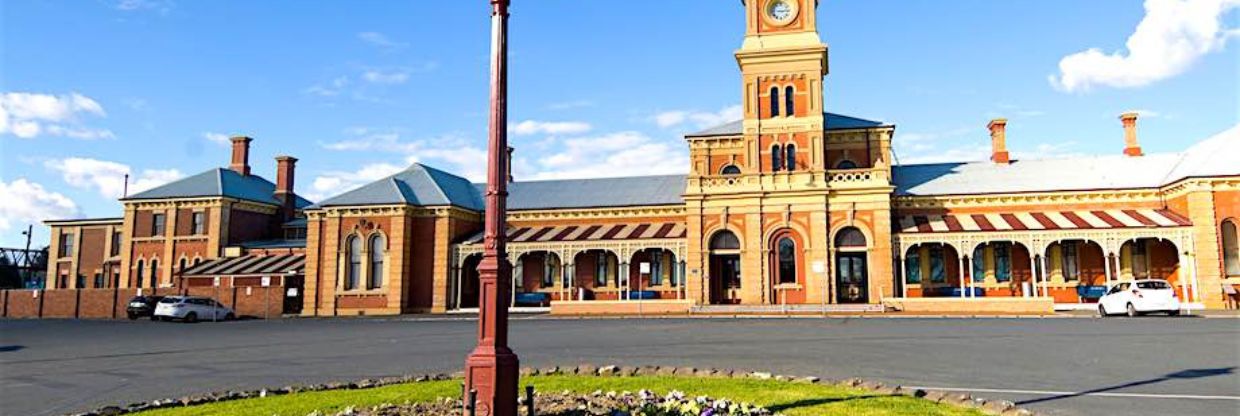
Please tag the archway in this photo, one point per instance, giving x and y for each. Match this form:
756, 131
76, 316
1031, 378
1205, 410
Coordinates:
725, 268
468, 284
596, 274
852, 274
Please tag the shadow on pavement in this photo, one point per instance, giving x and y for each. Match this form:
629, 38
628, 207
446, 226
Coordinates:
814, 402
1183, 374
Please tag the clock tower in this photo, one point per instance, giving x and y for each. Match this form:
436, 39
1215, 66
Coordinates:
769, 196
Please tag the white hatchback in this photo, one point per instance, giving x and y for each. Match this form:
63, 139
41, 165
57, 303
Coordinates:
191, 309
1140, 297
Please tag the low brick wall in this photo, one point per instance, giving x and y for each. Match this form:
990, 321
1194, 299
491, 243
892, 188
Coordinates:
255, 302
621, 307
1016, 306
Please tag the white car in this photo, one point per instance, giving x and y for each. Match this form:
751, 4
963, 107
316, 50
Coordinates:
1140, 297
192, 309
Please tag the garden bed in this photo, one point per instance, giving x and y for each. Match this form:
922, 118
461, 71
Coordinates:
429, 395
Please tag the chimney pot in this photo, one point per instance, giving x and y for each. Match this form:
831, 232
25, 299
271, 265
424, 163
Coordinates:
241, 155
998, 141
1131, 146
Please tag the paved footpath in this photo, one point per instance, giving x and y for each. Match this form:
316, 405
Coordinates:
1143, 366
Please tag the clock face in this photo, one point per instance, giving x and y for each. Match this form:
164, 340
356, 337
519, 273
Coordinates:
781, 11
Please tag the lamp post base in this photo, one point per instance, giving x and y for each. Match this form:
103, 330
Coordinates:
493, 374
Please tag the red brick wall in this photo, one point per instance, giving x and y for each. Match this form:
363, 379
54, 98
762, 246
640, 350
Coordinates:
60, 303
247, 226
98, 303
23, 304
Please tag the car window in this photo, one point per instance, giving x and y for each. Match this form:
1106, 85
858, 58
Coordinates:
168, 300
1115, 289
1153, 285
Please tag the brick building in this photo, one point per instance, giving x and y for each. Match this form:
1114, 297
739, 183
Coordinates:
791, 205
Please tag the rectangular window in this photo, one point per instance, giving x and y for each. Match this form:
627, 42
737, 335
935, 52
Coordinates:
937, 272
66, 244
81, 282
1071, 266
116, 244
656, 268
196, 223
1003, 262
157, 225
1140, 261
98, 280
979, 264
600, 270
912, 267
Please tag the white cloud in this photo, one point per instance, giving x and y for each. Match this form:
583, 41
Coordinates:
23, 202
376, 76
330, 89
529, 127
699, 119
108, 178
333, 183
29, 115
217, 138
618, 154
380, 40
1173, 35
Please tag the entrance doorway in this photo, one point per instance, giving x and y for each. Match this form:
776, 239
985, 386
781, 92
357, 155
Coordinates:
725, 278
851, 277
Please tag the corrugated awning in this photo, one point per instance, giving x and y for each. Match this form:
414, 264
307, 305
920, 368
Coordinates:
1036, 221
249, 265
601, 232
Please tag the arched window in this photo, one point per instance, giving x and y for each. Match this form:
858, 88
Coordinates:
774, 101
730, 170
850, 237
789, 107
777, 159
1231, 249
141, 273
377, 244
787, 250
846, 164
790, 161
353, 271
154, 272
912, 266
725, 240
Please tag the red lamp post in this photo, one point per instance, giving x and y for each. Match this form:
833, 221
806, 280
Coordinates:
491, 369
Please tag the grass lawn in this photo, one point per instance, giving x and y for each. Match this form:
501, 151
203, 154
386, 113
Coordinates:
788, 398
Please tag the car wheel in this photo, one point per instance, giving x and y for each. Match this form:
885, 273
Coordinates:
1132, 310
156, 318
230, 317
132, 316
1102, 311
191, 317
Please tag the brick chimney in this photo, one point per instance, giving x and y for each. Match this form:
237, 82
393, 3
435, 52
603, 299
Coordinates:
508, 165
241, 155
1131, 147
285, 170
998, 141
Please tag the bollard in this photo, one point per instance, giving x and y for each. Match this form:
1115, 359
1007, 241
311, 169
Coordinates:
473, 402
529, 400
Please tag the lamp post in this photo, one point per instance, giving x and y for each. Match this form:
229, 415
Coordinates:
491, 369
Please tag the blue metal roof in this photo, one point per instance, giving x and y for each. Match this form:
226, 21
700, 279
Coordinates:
833, 122
218, 182
595, 193
419, 185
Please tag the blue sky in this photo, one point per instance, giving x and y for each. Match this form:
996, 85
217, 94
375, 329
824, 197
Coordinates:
357, 90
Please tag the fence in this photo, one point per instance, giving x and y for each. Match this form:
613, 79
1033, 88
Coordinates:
255, 302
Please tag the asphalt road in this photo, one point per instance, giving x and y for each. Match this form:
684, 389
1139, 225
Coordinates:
1145, 366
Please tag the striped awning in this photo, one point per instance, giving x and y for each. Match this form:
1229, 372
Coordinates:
602, 232
252, 265
1035, 221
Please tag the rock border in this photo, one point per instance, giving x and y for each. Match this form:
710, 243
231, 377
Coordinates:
989, 407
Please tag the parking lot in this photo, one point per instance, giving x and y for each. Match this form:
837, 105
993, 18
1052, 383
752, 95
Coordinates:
1072, 366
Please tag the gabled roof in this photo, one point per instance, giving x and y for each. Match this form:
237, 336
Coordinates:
833, 122
595, 193
1215, 156
419, 185
218, 182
